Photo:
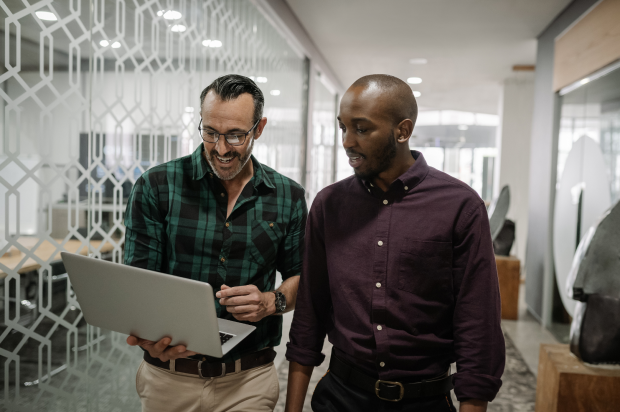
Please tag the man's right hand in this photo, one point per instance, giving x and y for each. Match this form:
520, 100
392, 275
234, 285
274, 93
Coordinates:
160, 349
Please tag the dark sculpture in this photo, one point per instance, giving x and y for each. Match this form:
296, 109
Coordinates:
505, 239
594, 281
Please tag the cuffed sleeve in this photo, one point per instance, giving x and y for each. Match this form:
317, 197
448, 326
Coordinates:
478, 339
313, 306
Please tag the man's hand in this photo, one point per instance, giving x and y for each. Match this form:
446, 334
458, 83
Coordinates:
160, 349
473, 405
247, 302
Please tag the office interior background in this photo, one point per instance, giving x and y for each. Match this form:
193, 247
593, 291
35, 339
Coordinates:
94, 93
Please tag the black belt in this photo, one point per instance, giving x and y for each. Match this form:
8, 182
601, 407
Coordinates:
212, 369
388, 390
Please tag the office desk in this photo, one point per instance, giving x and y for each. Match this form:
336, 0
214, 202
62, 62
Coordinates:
45, 252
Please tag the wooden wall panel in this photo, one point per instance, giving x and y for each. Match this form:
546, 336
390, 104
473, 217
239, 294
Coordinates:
589, 45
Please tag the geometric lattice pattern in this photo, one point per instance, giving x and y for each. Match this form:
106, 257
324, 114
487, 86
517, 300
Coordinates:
89, 100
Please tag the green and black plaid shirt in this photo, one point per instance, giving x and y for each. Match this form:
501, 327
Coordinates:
176, 223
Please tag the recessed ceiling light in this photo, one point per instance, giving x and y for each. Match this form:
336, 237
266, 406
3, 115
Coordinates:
116, 45
414, 80
170, 14
418, 61
178, 28
417, 94
275, 92
189, 109
46, 15
261, 80
215, 43
463, 127
104, 43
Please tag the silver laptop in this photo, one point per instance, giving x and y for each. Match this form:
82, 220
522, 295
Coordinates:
151, 305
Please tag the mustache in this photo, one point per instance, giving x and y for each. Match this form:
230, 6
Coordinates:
214, 153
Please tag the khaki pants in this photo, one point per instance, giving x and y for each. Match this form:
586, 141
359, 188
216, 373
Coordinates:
166, 391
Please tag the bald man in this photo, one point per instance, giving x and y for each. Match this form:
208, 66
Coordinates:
398, 271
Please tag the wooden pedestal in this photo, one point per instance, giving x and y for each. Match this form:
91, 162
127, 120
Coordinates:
565, 384
509, 272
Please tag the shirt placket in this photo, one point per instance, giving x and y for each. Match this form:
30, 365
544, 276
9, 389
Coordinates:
379, 295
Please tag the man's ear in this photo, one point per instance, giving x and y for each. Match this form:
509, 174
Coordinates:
405, 128
259, 127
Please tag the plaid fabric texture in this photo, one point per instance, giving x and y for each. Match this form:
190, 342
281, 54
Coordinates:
176, 223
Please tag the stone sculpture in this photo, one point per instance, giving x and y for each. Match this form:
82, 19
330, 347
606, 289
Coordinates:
594, 281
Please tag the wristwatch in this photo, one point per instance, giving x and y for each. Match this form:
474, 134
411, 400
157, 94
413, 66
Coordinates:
280, 301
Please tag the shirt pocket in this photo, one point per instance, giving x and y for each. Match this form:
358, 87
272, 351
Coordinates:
425, 269
266, 237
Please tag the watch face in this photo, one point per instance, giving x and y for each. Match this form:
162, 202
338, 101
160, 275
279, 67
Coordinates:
280, 302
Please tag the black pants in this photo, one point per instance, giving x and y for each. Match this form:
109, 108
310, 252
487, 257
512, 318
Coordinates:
333, 395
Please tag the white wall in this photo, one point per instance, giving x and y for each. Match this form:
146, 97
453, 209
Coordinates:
516, 110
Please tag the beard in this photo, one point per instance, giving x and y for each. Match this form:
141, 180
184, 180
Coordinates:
232, 173
383, 161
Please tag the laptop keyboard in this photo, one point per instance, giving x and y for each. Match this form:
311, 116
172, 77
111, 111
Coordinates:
225, 337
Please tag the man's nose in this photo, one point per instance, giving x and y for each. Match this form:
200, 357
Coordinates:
348, 140
222, 146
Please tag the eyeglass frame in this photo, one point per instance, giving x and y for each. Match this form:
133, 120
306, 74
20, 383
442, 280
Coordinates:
217, 135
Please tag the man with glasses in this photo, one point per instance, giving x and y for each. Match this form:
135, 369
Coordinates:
221, 217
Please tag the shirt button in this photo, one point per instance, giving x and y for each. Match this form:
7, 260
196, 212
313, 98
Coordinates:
380, 243
227, 224
223, 260
368, 190
382, 364
406, 188
270, 224
385, 202
379, 327
222, 194
378, 284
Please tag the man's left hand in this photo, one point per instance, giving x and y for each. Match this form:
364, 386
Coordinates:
247, 303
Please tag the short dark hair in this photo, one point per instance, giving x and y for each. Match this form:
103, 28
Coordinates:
231, 86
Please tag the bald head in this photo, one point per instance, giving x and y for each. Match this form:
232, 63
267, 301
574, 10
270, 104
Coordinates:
395, 95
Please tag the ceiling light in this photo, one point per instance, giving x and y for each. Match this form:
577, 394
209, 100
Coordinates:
417, 94
418, 61
275, 92
189, 109
104, 43
584, 81
46, 15
414, 80
178, 28
463, 127
116, 45
215, 43
206, 43
261, 80
170, 14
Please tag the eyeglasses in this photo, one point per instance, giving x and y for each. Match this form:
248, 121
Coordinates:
233, 139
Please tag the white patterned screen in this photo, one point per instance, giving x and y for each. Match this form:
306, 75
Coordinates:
92, 94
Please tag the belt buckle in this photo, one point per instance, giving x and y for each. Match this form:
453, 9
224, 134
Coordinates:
200, 370
378, 390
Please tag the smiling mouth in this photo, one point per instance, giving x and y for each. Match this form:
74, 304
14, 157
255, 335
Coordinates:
355, 160
224, 160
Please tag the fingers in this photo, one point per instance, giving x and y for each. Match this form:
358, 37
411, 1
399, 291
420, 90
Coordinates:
136, 341
175, 352
236, 291
248, 316
251, 299
243, 308
159, 347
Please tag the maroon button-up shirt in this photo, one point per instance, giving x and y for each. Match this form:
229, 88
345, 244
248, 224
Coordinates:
402, 282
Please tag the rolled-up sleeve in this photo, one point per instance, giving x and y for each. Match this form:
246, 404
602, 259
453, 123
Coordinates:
478, 339
313, 307
290, 255
144, 228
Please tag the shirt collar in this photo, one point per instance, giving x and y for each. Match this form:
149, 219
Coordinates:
201, 167
412, 177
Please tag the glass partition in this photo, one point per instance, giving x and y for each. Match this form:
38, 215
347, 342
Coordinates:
92, 94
